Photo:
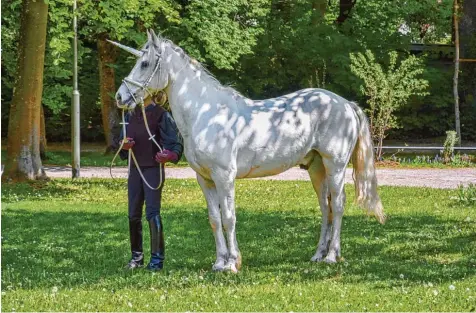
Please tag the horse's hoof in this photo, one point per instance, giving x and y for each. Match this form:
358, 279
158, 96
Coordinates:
317, 258
218, 267
330, 258
231, 267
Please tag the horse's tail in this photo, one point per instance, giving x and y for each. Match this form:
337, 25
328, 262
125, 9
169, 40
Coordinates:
364, 169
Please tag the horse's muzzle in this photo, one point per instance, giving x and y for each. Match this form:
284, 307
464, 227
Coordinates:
127, 103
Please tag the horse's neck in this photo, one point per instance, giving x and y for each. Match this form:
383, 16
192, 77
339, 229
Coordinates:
190, 92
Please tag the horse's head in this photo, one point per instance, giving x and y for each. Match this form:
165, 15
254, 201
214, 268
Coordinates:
147, 77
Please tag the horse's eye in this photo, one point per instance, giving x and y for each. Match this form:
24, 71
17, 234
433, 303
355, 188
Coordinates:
144, 64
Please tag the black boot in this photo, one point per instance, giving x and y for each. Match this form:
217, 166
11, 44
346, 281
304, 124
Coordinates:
157, 245
135, 231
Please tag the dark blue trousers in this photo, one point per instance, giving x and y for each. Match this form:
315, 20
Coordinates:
138, 192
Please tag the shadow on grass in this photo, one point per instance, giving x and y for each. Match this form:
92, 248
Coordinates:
75, 248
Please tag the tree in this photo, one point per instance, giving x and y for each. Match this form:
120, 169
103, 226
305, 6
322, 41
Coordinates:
219, 32
467, 82
107, 57
23, 150
117, 19
345, 7
387, 90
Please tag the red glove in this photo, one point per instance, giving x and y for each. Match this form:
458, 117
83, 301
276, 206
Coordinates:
166, 156
128, 143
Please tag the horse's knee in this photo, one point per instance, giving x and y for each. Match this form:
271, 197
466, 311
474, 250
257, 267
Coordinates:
214, 220
229, 221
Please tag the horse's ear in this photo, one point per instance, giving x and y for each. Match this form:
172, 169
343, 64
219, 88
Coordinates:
154, 37
149, 36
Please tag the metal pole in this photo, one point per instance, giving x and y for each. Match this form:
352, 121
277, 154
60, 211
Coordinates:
75, 136
456, 73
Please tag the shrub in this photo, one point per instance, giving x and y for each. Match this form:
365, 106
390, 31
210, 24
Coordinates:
449, 146
466, 195
388, 90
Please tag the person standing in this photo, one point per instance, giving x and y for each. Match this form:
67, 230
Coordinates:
151, 163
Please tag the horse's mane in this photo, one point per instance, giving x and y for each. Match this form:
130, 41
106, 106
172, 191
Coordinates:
200, 67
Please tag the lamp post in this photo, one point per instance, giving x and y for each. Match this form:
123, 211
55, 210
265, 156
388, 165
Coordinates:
75, 136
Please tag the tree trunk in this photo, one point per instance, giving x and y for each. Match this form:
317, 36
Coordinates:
23, 148
319, 8
345, 6
456, 73
110, 117
467, 27
43, 143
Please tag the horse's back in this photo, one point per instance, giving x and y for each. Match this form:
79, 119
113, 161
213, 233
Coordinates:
282, 131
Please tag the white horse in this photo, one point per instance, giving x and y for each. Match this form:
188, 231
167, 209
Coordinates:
227, 137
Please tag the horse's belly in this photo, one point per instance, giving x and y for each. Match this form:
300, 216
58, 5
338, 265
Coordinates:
265, 163
259, 171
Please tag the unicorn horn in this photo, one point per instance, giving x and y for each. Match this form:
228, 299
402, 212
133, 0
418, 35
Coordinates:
135, 52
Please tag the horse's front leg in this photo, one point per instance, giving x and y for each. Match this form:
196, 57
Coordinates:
210, 192
225, 183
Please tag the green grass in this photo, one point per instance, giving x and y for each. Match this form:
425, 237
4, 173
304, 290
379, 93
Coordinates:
413, 160
64, 245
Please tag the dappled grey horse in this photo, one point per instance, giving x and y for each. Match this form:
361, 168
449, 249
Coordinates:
227, 136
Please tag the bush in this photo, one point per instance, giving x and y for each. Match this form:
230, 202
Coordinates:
449, 145
466, 195
387, 90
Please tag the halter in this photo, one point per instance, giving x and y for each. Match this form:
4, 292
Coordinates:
143, 87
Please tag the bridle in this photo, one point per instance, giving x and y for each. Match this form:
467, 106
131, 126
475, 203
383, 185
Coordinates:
142, 87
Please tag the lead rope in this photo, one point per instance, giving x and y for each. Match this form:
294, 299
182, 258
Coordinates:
131, 153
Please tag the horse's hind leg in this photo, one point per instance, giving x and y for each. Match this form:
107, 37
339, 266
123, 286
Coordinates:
317, 172
335, 174
214, 216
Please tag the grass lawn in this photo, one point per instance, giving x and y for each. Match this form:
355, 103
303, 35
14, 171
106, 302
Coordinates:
64, 245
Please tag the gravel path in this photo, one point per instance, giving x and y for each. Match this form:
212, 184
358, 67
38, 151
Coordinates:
435, 178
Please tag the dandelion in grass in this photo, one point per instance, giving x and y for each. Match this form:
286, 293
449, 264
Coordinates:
402, 276
435, 292
452, 287
54, 289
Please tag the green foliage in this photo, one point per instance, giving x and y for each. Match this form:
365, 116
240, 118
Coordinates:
430, 161
449, 145
264, 48
64, 245
387, 90
466, 195
417, 117
221, 31
121, 19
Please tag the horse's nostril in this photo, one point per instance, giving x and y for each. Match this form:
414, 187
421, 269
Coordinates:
118, 97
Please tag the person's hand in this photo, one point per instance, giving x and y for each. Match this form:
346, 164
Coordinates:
166, 156
128, 143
